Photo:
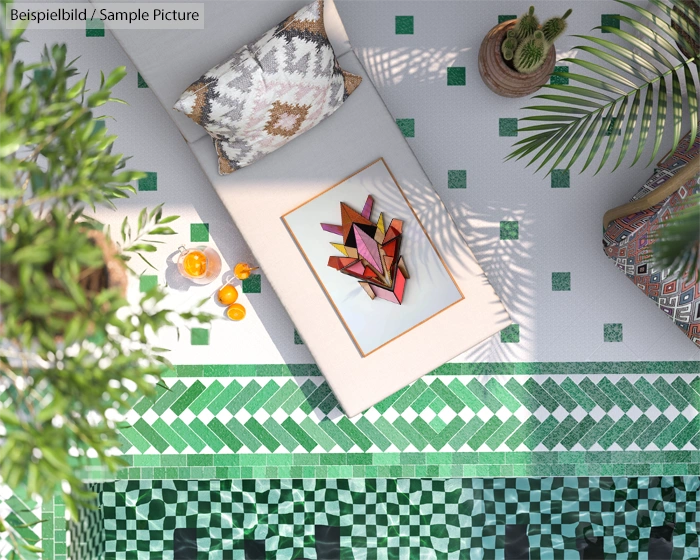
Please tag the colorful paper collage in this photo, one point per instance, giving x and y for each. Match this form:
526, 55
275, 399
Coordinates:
371, 252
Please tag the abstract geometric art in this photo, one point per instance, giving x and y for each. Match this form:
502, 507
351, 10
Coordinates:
371, 252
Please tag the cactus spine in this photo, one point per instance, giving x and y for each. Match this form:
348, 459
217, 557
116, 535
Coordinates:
526, 45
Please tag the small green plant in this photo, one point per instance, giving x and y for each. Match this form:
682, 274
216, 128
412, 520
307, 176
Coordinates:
73, 354
526, 45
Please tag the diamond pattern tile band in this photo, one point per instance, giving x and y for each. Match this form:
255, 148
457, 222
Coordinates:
441, 413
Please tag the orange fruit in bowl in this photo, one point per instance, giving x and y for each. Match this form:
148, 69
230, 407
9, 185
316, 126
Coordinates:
195, 263
235, 312
228, 294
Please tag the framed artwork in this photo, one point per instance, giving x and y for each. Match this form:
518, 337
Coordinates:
372, 257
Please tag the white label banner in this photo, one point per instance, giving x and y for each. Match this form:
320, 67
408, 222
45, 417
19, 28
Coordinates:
110, 15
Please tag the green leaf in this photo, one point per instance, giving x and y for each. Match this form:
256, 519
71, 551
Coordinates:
585, 139
692, 104
600, 70
599, 137
645, 48
646, 121
614, 133
142, 219
629, 129
610, 59
155, 211
162, 231
142, 247
677, 110
582, 92
570, 100
661, 107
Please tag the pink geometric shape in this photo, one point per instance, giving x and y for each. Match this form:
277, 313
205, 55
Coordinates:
395, 294
368, 249
330, 228
358, 268
367, 210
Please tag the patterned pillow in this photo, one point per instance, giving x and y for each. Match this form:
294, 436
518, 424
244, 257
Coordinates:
269, 91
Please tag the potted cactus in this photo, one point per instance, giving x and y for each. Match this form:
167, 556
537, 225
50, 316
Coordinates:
517, 56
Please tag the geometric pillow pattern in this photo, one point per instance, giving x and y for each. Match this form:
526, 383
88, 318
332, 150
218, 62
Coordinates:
270, 91
627, 241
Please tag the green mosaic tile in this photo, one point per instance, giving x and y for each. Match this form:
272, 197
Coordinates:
407, 127
609, 20
560, 80
297, 338
94, 28
147, 282
611, 127
507, 17
456, 76
199, 233
508, 127
149, 182
559, 395
612, 332
404, 25
509, 230
252, 284
42, 77
670, 394
560, 179
199, 337
457, 179
561, 281
511, 334
140, 82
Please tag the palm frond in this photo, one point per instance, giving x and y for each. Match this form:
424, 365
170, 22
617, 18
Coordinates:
634, 85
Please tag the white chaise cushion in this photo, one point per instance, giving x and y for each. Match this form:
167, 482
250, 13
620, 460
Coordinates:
257, 197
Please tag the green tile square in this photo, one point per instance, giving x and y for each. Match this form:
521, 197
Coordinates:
437, 405
437, 424
612, 332
457, 179
149, 182
507, 17
609, 20
42, 76
199, 337
456, 76
560, 179
147, 282
407, 127
611, 127
199, 233
94, 28
560, 80
509, 230
510, 334
507, 127
404, 25
561, 281
297, 338
140, 82
253, 285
